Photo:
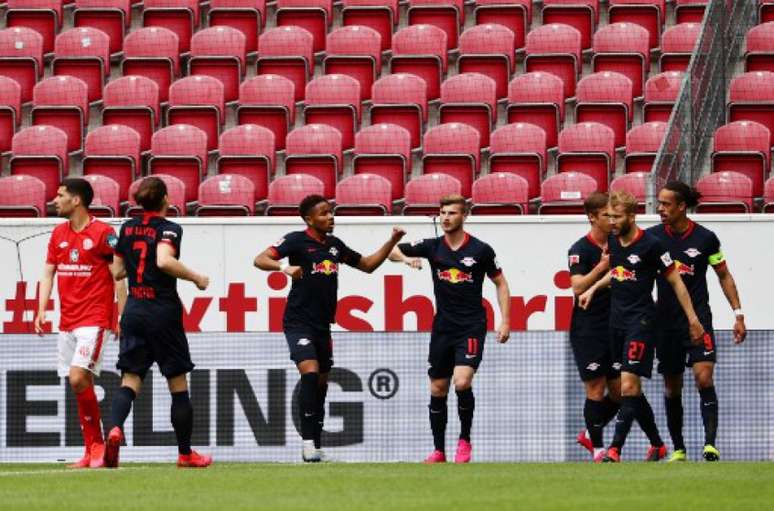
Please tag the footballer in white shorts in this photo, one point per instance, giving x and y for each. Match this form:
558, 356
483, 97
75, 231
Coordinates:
81, 347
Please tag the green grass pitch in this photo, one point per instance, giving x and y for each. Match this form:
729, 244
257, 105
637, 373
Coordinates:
373, 487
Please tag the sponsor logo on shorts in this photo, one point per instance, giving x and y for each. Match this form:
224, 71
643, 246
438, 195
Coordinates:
84, 351
304, 342
622, 274
454, 276
592, 366
707, 353
634, 259
468, 356
468, 261
326, 267
684, 269
334, 251
692, 252
617, 366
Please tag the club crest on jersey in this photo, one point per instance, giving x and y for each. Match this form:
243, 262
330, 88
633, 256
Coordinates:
634, 259
74, 254
574, 259
684, 269
88, 244
468, 261
326, 267
454, 276
334, 251
692, 252
621, 274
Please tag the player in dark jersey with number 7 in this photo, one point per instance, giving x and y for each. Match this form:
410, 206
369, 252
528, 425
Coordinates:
152, 321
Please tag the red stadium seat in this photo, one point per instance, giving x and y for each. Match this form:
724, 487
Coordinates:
751, 98
689, 11
219, 52
768, 196
642, 144
725, 192
62, 101
379, 15
152, 53
649, 14
401, 99
424, 193
313, 15
22, 196
661, 92
563, 194
488, 49
248, 150
21, 58
287, 192
180, 151
520, 149
113, 17
582, 15
134, 102
623, 48
588, 148
555, 49
515, 15
226, 195
765, 11
385, 150
10, 111
448, 15
760, 48
606, 98
40, 151
316, 150
84, 53
247, 16
470, 98
635, 183
113, 151
198, 101
537, 98
178, 16
363, 194
175, 191
502, 193
677, 46
268, 101
106, 196
452, 149
421, 50
334, 100
743, 147
43, 16
289, 52
355, 51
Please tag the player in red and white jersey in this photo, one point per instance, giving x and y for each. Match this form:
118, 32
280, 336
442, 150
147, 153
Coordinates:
79, 254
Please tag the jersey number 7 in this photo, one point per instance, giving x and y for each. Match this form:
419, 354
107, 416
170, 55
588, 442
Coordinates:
142, 248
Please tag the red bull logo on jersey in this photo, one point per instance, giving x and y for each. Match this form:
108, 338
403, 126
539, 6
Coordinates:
621, 274
684, 269
326, 267
454, 276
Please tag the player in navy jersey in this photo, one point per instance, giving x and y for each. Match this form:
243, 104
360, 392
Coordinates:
459, 262
636, 259
588, 262
152, 322
694, 248
314, 258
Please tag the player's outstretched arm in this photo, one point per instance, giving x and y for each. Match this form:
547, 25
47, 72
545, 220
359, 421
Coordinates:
728, 285
369, 263
694, 325
397, 256
504, 301
166, 261
584, 300
266, 261
581, 283
46, 285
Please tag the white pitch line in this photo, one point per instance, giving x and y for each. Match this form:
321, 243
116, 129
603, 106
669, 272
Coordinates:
65, 471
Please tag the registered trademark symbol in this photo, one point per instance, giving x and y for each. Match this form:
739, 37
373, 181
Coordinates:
383, 383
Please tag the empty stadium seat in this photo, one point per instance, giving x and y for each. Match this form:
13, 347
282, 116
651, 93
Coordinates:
470, 98
178, 16
520, 149
133, 101
153, 53
363, 194
424, 193
175, 194
635, 183
448, 15
606, 98
315, 150
315, 16
268, 101
588, 148
452, 149
743, 147
198, 101
677, 46
22, 196
226, 195
765, 11
661, 92
384, 150
515, 15
21, 58
219, 52
582, 15
180, 151
334, 100
247, 16
768, 196
623, 48
537, 98
83, 52
563, 194
287, 192
751, 98
10, 111
689, 11
725, 192
401, 99
379, 15
555, 49
43, 16
106, 202
649, 14
62, 101
760, 48
289, 52
113, 17
355, 51
502, 193
490, 50
248, 150
642, 144
40, 151
421, 50
113, 151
